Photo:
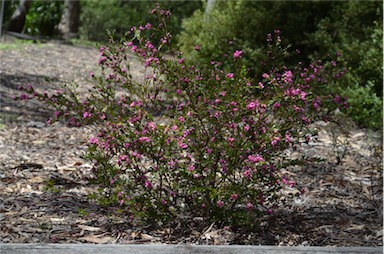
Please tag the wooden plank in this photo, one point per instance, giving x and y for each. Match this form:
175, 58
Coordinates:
175, 249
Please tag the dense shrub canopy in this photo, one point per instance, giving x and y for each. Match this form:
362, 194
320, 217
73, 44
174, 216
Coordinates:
101, 15
182, 142
353, 29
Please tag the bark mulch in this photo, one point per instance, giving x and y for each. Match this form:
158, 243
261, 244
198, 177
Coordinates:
43, 194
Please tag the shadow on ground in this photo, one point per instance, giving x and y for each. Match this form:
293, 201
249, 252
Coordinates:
12, 111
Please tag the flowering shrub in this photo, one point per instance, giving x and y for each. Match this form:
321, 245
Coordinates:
178, 142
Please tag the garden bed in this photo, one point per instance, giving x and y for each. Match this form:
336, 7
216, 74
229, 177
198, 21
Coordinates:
43, 191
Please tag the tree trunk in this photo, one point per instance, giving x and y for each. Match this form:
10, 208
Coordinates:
17, 21
69, 23
208, 9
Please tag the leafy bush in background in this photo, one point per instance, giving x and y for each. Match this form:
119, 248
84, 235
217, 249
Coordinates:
244, 24
43, 17
353, 29
365, 107
179, 142
97, 16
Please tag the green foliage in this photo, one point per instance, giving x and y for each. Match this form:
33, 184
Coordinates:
316, 28
97, 16
355, 29
82, 212
15, 44
43, 17
365, 107
245, 25
50, 187
181, 142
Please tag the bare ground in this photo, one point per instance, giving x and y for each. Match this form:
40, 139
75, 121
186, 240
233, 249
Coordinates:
43, 194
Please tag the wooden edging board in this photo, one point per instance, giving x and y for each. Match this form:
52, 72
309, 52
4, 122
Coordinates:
175, 249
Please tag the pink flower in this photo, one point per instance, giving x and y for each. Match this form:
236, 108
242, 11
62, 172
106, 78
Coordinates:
249, 206
275, 141
276, 105
237, 54
234, 196
230, 75
148, 26
182, 145
252, 105
181, 119
152, 126
144, 139
287, 137
220, 203
148, 185
197, 48
315, 105
93, 140
287, 77
124, 158
86, 115
255, 159
247, 174
133, 104
302, 95
102, 59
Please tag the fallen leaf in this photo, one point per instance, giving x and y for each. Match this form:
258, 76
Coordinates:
134, 235
212, 235
57, 220
327, 228
366, 192
355, 227
39, 142
97, 239
88, 228
146, 237
36, 179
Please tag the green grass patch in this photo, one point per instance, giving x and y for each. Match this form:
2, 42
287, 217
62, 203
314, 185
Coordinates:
16, 44
83, 43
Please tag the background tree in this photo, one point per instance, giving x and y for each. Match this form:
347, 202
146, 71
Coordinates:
18, 18
70, 20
